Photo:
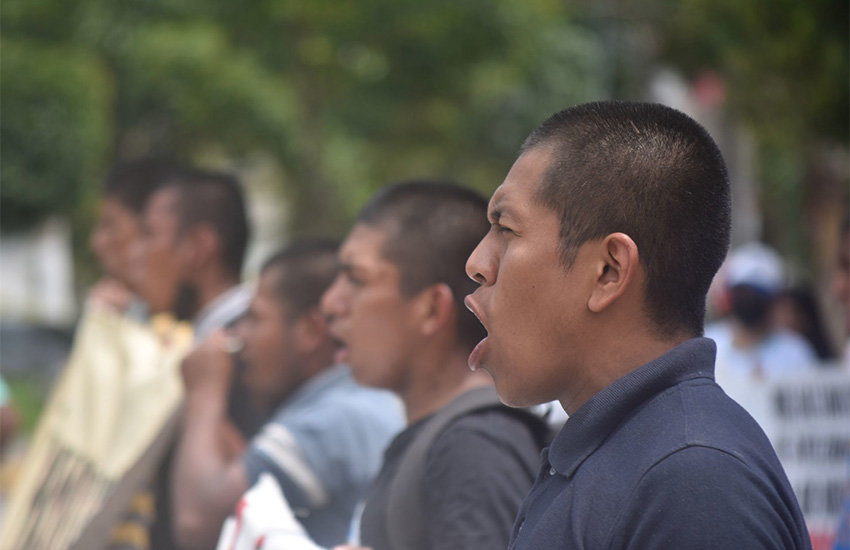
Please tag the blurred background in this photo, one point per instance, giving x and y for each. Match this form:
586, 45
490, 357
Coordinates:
316, 104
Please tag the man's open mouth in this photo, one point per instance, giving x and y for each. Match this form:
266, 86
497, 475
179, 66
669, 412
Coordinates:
476, 358
341, 354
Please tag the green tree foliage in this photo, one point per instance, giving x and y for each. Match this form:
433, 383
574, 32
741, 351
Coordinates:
345, 95
786, 62
54, 129
787, 71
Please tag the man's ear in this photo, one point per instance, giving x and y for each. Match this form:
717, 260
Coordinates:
435, 307
617, 270
311, 331
201, 244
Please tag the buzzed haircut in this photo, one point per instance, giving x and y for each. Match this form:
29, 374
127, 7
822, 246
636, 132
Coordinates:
432, 228
304, 271
216, 199
650, 172
132, 182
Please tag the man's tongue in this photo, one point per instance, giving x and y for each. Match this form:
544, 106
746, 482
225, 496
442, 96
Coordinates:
477, 354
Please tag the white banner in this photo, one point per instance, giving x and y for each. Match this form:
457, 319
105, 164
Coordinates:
807, 418
101, 434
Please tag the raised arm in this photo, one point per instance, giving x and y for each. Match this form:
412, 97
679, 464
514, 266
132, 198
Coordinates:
208, 476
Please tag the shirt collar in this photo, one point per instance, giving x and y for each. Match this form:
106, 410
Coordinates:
588, 427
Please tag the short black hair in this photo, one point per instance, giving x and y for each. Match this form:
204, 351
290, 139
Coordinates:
305, 270
133, 182
432, 227
653, 173
214, 198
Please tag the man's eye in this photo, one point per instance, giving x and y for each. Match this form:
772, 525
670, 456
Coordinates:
353, 279
503, 229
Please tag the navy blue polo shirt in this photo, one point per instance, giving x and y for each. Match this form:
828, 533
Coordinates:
661, 458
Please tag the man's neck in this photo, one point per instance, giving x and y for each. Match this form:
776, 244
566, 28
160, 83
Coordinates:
315, 367
610, 362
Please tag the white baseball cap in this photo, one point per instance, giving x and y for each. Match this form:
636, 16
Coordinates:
757, 265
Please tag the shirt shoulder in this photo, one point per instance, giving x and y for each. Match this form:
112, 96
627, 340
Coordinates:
334, 442
341, 407
500, 427
750, 502
477, 472
341, 424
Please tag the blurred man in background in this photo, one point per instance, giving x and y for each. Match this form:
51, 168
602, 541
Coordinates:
454, 477
749, 344
125, 193
188, 262
326, 436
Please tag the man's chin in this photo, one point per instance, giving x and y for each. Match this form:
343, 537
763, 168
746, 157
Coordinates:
365, 376
358, 371
513, 395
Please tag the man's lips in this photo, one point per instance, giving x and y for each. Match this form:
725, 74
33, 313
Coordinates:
470, 304
476, 357
342, 354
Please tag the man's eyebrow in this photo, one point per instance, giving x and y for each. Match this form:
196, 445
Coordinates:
496, 207
494, 214
349, 267
500, 210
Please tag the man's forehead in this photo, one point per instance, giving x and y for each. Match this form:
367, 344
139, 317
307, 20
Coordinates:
266, 290
270, 277
523, 180
364, 245
163, 202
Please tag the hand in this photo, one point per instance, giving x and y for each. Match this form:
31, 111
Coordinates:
209, 366
109, 295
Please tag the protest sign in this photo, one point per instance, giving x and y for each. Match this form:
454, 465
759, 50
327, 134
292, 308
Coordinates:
104, 430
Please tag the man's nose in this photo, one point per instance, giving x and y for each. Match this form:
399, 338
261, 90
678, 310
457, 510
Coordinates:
330, 302
479, 265
135, 258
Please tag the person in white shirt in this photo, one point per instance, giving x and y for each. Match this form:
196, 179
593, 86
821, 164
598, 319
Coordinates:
750, 348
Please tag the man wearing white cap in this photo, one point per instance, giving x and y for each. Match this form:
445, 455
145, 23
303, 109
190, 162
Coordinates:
749, 347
